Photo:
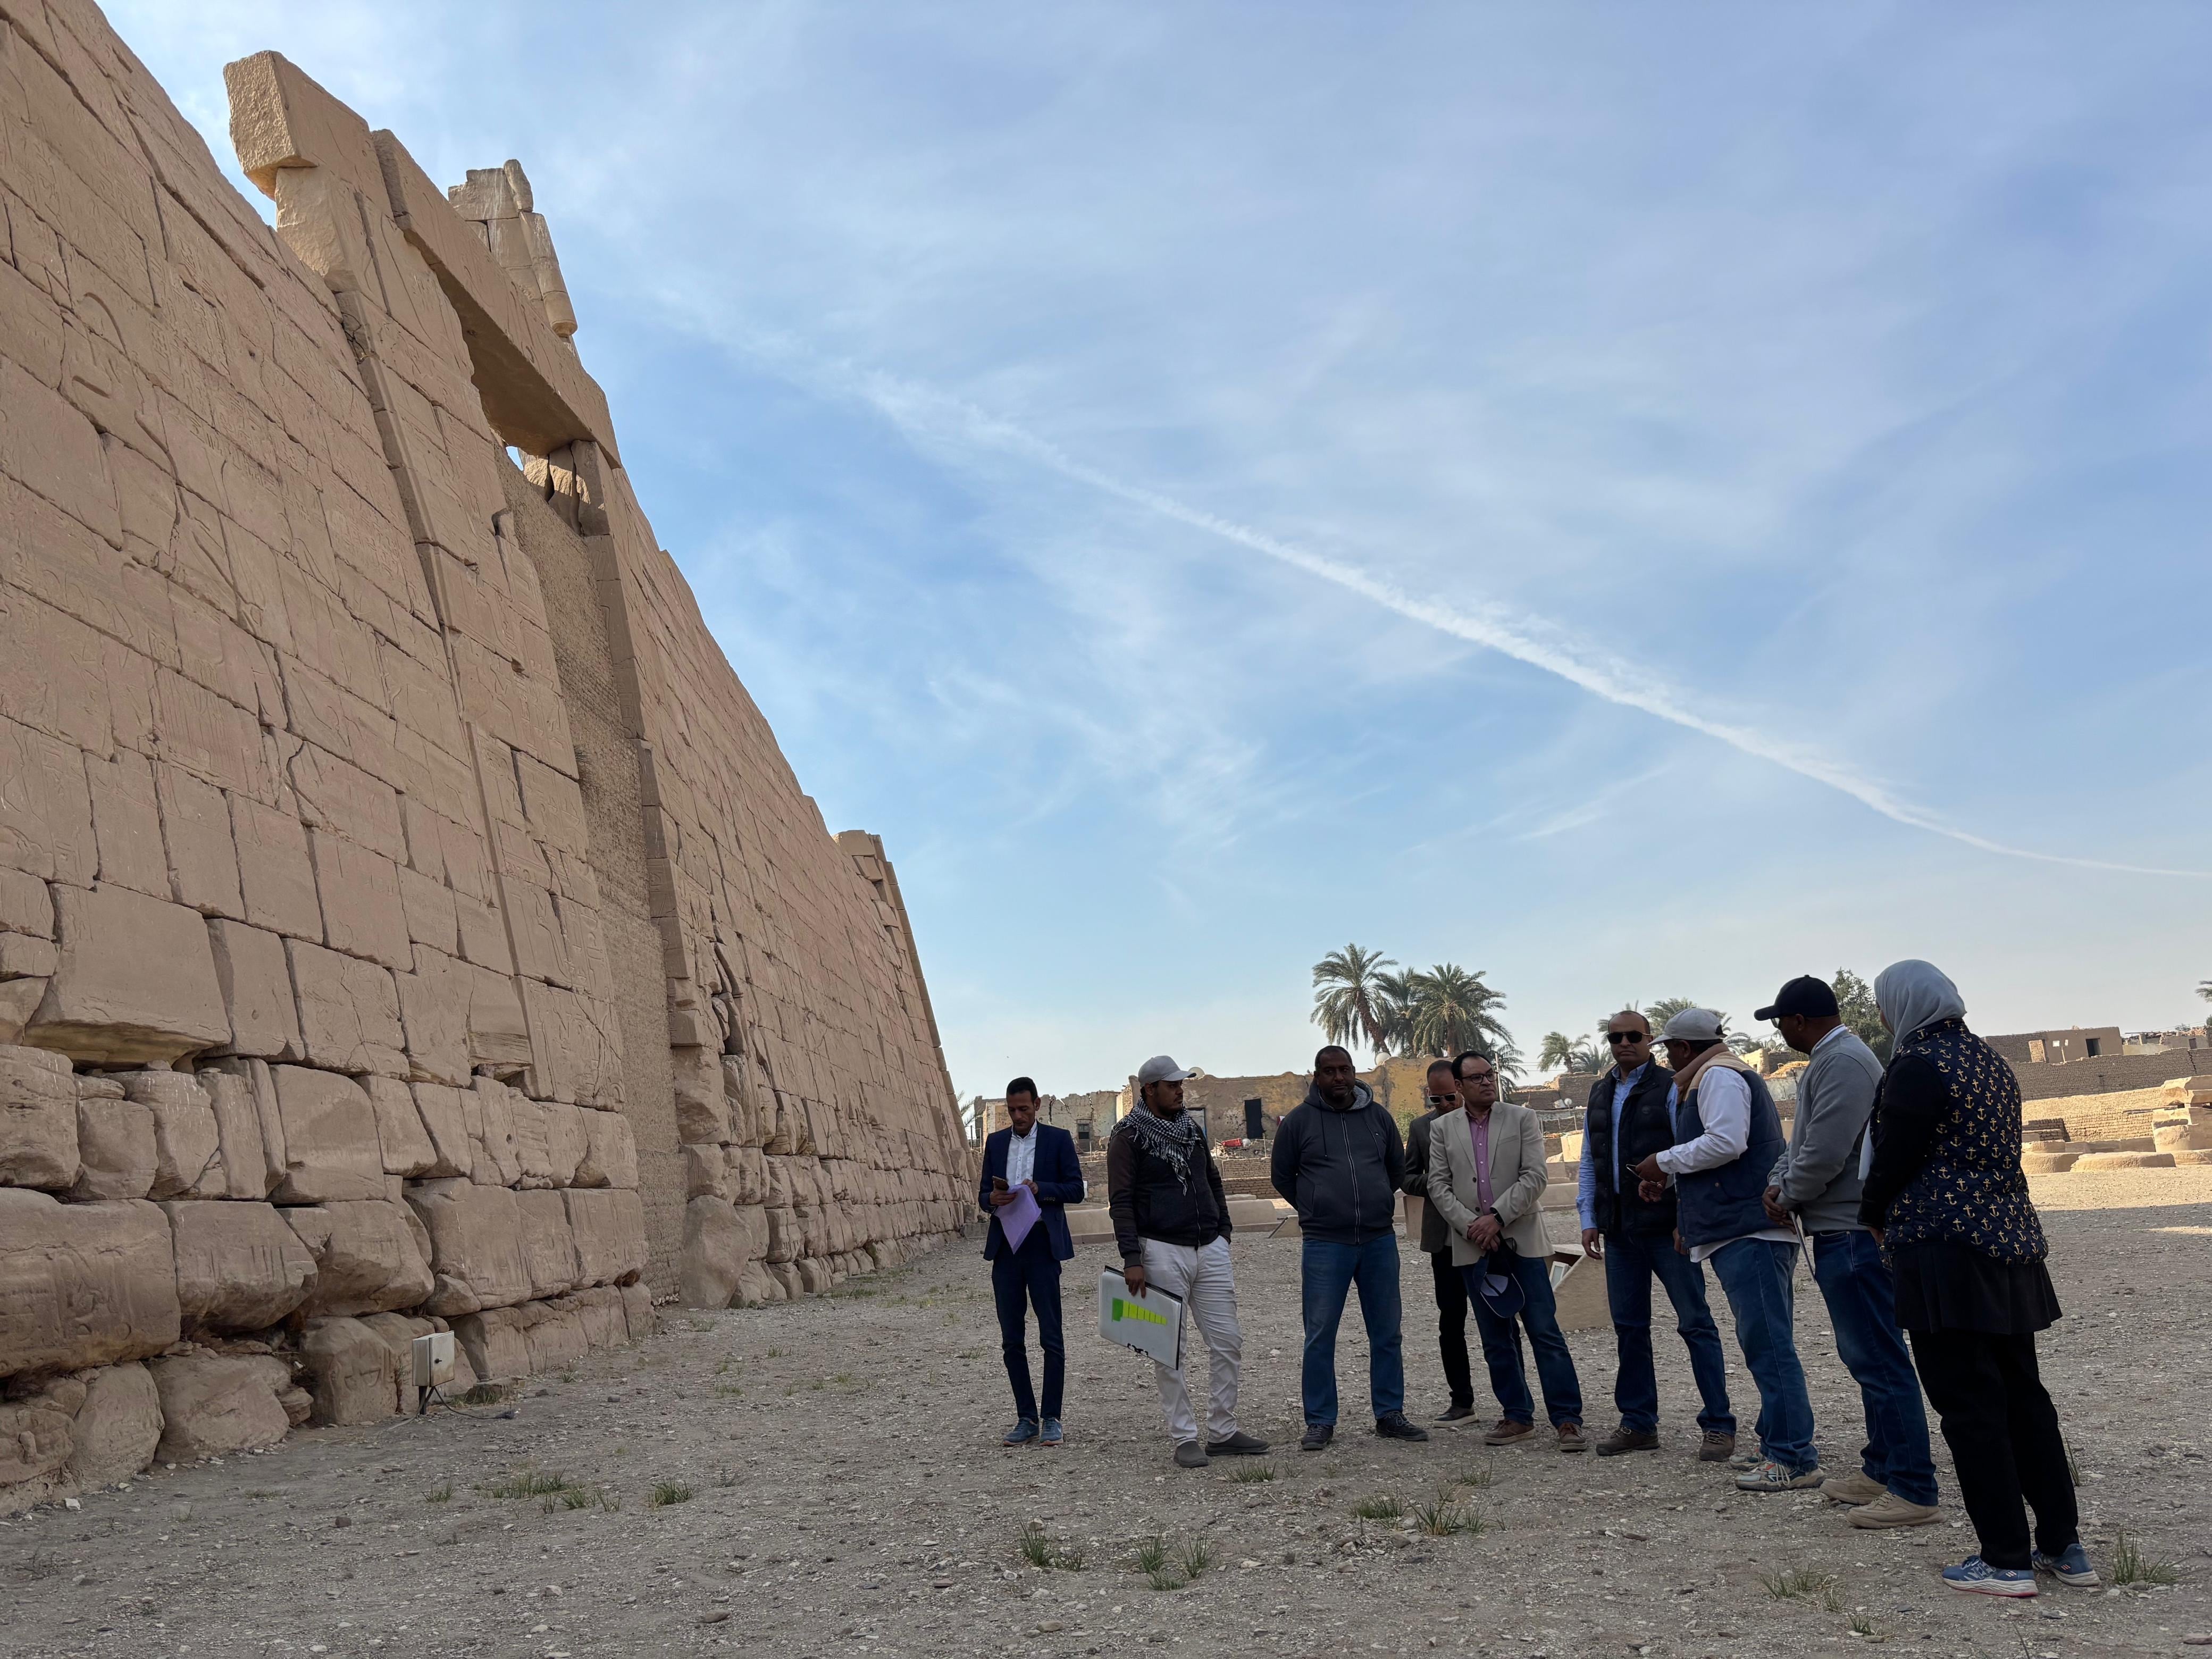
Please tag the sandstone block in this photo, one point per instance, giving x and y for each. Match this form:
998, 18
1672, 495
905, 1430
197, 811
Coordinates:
714, 1258
115, 1139
445, 1120
256, 981
548, 1245
360, 894
19, 1000
135, 981
83, 1284
238, 1129
532, 1148
784, 1237
610, 1151
187, 1145
497, 1351
330, 1145
276, 879
434, 1013
370, 1256
348, 1011
477, 1254
637, 1311
605, 1325
496, 1159
214, 1404
354, 1377
38, 1120
398, 1333
203, 861
607, 1226
117, 1429
34, 1443
556, 1340
46, 812
239, 1267
565, 1143
406, 1144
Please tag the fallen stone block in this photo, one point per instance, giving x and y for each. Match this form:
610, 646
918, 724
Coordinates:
331, 1147
370, 1255
38, 1120
134, 981
548, 1246
476, 1256
187, 1145
83, 1284
239, 1267
115, 1142
214, 1404
354, 1377
117, 1429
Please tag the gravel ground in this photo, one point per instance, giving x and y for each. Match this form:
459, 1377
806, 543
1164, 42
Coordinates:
836, 1488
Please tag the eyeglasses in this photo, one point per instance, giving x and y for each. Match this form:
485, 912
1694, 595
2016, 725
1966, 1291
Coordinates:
1617, 1038
1479, 1077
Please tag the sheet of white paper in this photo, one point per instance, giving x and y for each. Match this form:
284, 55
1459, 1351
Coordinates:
1150, 1323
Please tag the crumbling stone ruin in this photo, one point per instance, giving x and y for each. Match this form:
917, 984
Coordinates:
407, 920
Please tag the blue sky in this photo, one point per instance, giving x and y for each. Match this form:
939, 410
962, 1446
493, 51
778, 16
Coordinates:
1640, 501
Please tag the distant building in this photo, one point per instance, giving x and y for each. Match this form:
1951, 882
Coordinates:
2059, 1047
2181, 1040
2094, 1060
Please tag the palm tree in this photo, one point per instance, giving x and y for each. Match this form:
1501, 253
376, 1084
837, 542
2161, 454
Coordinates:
1558, 1050
1454, 1011
1347, 1006
1398, 1002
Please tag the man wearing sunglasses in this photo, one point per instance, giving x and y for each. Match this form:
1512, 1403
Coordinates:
1443, 1098
1627, 1119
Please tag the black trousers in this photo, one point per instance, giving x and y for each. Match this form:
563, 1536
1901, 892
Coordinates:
1021, 1279
2004, 1434
1451, 1327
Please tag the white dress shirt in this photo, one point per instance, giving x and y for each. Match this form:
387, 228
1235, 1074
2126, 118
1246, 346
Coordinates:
1725, 1109
1021, 1157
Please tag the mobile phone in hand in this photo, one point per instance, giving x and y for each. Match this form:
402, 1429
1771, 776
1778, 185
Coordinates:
997, 1183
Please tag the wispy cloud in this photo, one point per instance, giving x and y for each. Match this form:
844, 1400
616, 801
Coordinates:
937, 418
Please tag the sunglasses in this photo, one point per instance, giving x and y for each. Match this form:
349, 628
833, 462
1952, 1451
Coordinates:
1617, 1038
1442, 1100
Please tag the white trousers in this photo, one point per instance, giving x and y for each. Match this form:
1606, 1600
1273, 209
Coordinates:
1201, 1278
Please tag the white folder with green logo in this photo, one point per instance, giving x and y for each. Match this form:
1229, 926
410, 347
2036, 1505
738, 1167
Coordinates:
1150, 1323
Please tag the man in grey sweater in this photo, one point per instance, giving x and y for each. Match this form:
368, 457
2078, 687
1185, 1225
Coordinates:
1815, 1187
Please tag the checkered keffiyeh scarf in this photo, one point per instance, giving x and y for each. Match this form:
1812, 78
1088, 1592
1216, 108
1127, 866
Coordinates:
1178, 1141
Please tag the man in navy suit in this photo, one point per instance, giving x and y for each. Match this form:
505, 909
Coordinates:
1041, 1159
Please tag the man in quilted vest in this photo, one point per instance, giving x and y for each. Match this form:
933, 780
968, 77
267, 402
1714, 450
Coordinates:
1727, 1138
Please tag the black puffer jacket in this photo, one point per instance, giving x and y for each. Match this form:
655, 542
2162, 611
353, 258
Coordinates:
1343, 1170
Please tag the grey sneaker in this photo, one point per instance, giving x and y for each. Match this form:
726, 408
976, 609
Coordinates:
1191, 1456
1771, 1476
1239, 1444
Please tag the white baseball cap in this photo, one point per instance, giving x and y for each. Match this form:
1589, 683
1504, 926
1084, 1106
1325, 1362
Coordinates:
1161, 1069
1692, 1026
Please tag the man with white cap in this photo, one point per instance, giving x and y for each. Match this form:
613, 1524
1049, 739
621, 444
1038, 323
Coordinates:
1727, 1138
1171, 1224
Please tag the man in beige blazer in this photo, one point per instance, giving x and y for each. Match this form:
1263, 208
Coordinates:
1486, 1178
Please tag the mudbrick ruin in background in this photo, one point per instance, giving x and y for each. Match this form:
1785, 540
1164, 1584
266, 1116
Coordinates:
407, 920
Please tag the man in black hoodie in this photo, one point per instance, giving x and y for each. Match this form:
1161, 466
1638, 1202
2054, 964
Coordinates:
1339, 1159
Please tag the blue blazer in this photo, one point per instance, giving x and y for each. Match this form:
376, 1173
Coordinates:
1059, 1177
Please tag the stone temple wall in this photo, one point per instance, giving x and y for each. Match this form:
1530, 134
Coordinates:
407, 920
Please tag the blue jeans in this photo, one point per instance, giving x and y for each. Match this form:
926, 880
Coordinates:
1631, 1263
1755, 1275
1501, 1345
1327, 1273
1862, 1298
1022, 1279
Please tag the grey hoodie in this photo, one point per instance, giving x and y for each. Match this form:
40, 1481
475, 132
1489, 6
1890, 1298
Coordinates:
1819, 1173
1341, 1169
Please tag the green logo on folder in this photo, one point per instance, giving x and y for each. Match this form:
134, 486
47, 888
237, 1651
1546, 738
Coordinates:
1131, 1310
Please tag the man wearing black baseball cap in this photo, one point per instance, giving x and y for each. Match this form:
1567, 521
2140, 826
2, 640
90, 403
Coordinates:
1816, 1185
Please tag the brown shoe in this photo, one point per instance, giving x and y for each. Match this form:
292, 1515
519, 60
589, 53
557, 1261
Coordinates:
1625, 1439
1505, 1431
1717, 1447
1571, 1438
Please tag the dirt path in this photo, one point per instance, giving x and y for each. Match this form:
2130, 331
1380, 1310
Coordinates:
846, 1495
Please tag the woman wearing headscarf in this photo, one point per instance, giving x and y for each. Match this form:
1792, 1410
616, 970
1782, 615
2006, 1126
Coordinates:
1946, 1196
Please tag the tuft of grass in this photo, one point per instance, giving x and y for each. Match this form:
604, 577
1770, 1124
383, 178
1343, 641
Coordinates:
1035, 1546
1442, 1517
1379, 1506
486, 1394
1197, 1558
1799, 1583
1248, 1474
776, 1353
1832, 1598
440, 1494
1863, 1627
528, 1483
1481, 1478
665, 1492
722, 1369
1152, 1554
1164, 1579
727, 1476
728, 1391
2131, 1565
578, 1498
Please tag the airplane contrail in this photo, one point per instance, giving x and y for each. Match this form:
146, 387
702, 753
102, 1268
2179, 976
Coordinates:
926, 413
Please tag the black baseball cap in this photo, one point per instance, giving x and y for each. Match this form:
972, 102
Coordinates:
1802, 995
